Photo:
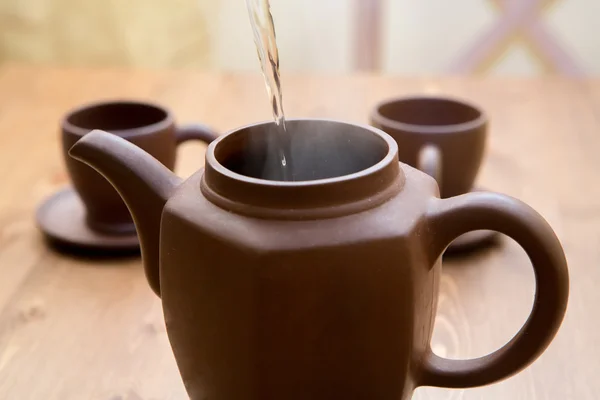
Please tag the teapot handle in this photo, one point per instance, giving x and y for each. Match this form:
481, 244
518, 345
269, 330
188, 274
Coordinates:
195, 132
450, 218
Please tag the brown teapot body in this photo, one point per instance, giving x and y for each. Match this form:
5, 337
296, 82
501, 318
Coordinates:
324, 287
297, 308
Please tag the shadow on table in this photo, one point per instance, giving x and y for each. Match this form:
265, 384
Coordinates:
464, 254
92, 254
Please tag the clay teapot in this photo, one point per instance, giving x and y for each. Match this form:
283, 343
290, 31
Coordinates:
323, 287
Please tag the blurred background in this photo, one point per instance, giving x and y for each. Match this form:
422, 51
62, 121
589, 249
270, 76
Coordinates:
413, 37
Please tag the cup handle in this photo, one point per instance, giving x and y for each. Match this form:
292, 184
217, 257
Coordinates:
195, 132
430, 162
449, 218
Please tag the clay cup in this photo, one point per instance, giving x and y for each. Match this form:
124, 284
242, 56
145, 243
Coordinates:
443, 137
149, 126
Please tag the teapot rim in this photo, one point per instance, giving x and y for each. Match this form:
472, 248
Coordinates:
392, 151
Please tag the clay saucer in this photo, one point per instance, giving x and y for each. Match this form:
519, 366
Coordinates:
62, 220
473, 240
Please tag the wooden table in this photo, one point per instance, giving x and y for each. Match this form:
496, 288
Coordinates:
77, 329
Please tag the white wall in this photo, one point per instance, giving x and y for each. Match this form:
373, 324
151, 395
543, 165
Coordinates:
418, 36
307, 40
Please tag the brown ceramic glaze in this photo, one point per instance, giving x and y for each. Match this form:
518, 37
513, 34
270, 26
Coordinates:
62, 218
322, 288
148, 126
443, 137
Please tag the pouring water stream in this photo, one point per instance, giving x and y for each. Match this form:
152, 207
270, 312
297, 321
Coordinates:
263, 29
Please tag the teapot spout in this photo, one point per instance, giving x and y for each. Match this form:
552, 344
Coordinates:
143, 182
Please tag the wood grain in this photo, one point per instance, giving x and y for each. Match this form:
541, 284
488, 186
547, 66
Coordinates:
76, 329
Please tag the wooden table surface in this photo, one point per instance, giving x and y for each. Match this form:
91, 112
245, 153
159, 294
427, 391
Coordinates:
77, 329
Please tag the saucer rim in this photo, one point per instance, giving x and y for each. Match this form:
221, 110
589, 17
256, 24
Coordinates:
93, 241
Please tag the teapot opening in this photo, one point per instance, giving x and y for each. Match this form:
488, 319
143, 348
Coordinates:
318, 150
339, 168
